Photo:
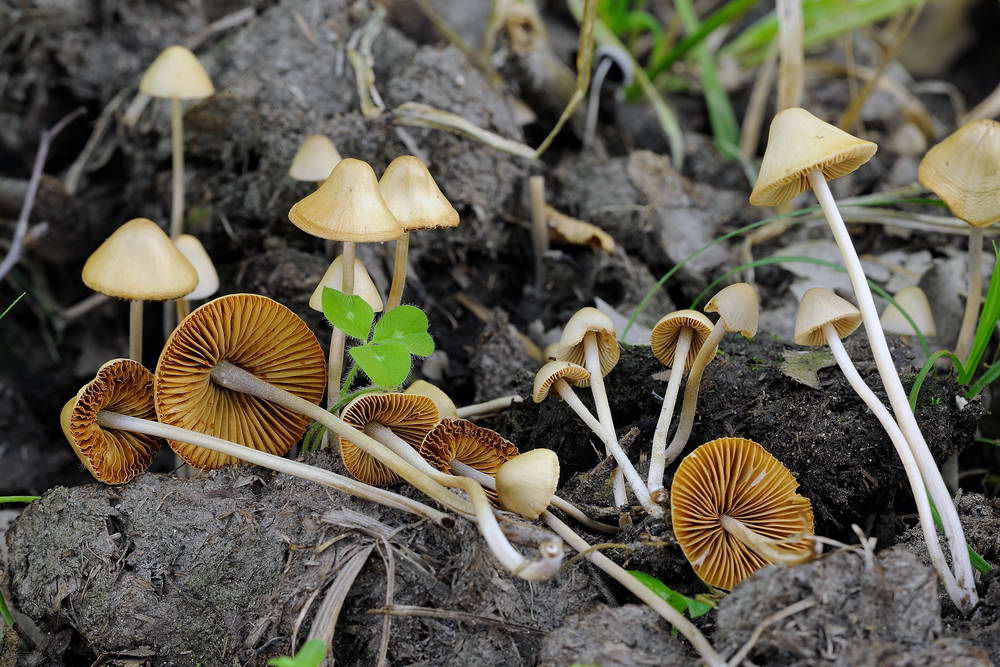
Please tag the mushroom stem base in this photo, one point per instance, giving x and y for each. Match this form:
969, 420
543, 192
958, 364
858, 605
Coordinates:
658, 457
764, 547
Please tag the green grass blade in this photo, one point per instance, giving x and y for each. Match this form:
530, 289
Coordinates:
12, 304
987, 378
918, 382
978, 562
729, 12
987, 323
18, 499
8, 620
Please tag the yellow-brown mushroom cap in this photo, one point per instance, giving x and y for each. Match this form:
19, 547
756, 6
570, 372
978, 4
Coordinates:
347, 206
414, 197
734, 477
557, 370
364, 286
178, 73
663, 339
475, 446
446, 407
262, 337
798, 143
820, 307
208, 278
914, 301
571, 344
738, 306
315, 159
964, 169
112, 456
409, 416
527, 482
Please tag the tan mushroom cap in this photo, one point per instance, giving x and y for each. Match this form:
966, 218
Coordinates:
735, 477
964, 169
364, 286
347, 206
797, 143
738, 305
820, 307
557, 370
663, 339
260, 336
409, 416
208, 278
178, 73
527, 482
110, 455
567, 229
315, 159
914, 301
139, 261
571, 346
446, 407
475, 446
414, 197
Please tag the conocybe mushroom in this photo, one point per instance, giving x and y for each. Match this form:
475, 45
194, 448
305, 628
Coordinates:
824, 319
364, 286
734, 509
445, 406
417, 202
914, 301
315, 159
803, 151
208, 278
675, 341
139, 263
963, 170
527, 483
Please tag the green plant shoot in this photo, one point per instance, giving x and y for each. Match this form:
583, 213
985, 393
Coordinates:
681, 603
312, 654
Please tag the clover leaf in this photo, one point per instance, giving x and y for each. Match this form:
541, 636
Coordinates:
311, 654
387, 364
348, 312
406, 325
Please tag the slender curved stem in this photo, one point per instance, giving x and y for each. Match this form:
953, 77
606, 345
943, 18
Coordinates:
335, 363
177, 152
975, 296
762, 546
399, 262
592, 360
488, 407
135, 330
658, 458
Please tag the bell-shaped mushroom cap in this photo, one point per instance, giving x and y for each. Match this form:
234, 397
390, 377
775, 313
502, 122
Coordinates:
364, 286
663, 339
738, 307
475, 446
194, 251
409, 416
734, 477
820, 307
964, 169
112, 456
571, 346
414, 197
798, 143
527, 482
914, 301
138, 261
445, 406
347, 207
262, 337
557, 370
315, 159
176, 72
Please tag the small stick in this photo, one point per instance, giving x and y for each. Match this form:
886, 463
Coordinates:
488, 407
79, 308
539, 229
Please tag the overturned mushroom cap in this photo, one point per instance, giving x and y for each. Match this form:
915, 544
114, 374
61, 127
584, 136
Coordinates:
112, 456
315, 159
414, 197
139, 261
409, 416
260, 336
739, 308
737, 478
446, 407
364, 286
914, 301
820, 307
176, 72
347, 207
527, 482
663, 339
963, 170
571, 345
208, 279
475, 446
567, 229
797, 143
557, 370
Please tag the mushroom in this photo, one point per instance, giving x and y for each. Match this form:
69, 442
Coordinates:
824, 319
139, 263
364, 286
315, 159
445, 406
675, 341
913, 300
527, 483
738, 307
962, 170
558, 375
417, 202
109, 424
803, 151
734, 509
208, 279
347, 207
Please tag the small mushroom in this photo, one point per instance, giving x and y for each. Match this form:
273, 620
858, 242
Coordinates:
445, 406
139, 263
315, 159
527, 483
208, 278
914, 301
364, 286
734, 509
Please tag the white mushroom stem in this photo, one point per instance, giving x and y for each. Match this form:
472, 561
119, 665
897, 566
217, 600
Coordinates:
975, 296
560, 504
764, 547
640, 590
335, 363
120, 422
658, 457
905, 457
135, 330
690, 406
177, 151
592, 361
897, 395
611, 444
551, 551
488, 407
399, 262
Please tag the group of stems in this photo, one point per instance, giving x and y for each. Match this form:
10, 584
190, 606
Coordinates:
607, 432
658, 457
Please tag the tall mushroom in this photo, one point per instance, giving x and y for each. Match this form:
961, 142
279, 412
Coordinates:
914, 301
139, 263
803, 152
315, 159
208, 278
364, 286
417, 202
